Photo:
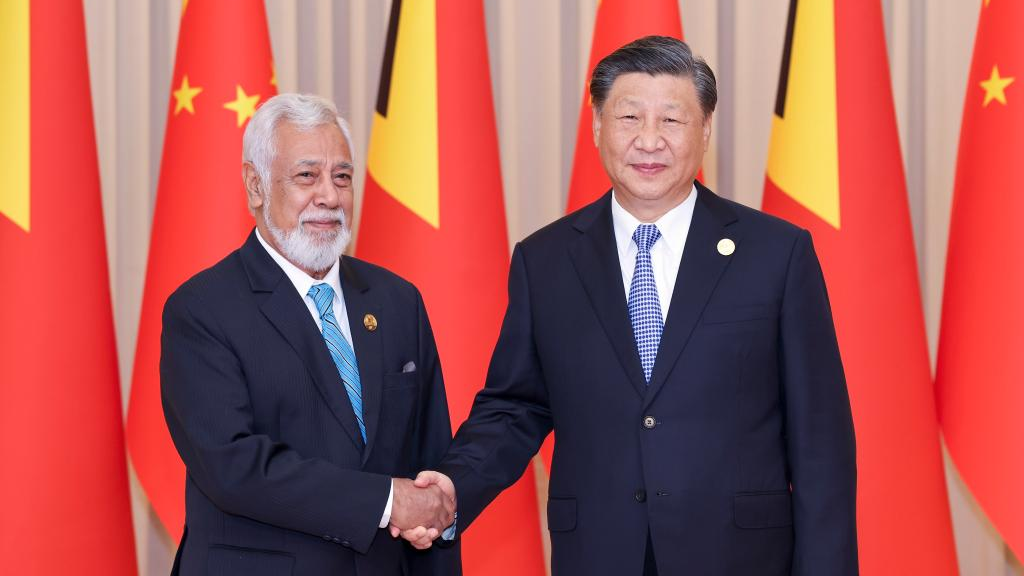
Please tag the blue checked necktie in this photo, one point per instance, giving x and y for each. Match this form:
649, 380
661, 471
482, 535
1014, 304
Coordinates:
644, 305
342, 354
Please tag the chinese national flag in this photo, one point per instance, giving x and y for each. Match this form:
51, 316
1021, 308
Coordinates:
64, 487
222, 71
618, 22
834, 168
980, 374
433, 212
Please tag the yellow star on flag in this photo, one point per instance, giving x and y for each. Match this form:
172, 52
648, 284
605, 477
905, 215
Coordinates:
183, 96
243, 105
995, 87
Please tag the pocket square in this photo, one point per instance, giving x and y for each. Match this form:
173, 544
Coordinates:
409, 366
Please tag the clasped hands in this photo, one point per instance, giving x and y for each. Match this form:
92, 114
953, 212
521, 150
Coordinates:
423, 508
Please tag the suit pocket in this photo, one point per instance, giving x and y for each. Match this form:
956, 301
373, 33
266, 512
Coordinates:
721, 314
230, 560
561, 514
401, 380
763, 509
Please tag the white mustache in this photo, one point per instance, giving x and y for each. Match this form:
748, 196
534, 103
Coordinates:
321, 215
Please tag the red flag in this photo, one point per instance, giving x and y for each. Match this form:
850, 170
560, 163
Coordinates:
222, 71
834, 168
980, 377
66, 506
618, 22
433, 212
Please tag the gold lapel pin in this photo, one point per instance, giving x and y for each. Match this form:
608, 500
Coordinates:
370, 322
726, 247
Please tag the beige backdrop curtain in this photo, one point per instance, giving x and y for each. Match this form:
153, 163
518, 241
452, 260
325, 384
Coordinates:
538, 51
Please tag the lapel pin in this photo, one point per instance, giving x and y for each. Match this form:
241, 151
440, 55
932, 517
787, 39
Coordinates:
370, 322
726, 247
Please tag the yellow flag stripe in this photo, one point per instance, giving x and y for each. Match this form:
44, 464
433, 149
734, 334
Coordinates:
403, 151
803, 158
14, 111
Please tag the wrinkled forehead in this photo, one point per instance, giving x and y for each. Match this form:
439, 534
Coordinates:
322, 145
662, 90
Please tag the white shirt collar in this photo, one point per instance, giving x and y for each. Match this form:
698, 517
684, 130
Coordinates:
302, 281
674, 225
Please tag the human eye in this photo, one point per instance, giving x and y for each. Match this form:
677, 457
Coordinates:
305, 176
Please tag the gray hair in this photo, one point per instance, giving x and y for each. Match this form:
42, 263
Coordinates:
655, 55
304, 111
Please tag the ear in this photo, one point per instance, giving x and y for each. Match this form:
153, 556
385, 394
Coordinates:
596, 124
253, 188
707, 131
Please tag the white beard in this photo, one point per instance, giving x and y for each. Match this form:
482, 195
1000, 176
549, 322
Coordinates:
316, 251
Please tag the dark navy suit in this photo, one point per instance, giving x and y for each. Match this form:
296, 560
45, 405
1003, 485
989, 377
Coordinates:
737, 459
279, 479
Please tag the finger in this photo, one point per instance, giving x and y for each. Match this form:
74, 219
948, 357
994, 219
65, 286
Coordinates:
426, 541
414, 534
395, 531
426, 478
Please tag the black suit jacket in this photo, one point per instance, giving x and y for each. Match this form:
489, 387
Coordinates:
279, 480
738, 458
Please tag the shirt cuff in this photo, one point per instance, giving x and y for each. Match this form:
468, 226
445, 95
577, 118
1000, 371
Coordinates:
386, 518
449, 532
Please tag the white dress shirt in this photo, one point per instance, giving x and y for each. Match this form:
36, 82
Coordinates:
666, 252
303, 282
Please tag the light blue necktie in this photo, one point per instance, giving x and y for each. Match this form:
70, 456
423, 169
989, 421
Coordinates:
342, 354
644, 305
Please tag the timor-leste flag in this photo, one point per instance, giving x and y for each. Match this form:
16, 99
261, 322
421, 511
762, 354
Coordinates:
222, 71
433, 212
980, 373
64, 500
618, 22
834, 168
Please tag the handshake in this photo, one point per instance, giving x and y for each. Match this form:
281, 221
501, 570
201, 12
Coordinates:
422, 509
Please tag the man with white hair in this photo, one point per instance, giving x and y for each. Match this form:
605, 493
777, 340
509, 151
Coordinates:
302, 388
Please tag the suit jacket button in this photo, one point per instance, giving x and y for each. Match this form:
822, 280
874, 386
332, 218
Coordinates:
650, 422
640, 495
346, 543
327, 537
336, 540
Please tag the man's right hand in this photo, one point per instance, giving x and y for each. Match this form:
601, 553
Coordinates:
420, 514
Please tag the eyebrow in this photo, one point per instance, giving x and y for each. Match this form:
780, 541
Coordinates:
312, 162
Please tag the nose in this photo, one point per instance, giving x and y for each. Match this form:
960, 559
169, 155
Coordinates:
327, 194
649, 138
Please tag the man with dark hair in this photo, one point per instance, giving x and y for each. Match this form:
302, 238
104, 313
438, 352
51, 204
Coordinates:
682, 349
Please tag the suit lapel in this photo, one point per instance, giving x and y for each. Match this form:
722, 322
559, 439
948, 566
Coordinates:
360, 301
595, 257
284, 308
699, 271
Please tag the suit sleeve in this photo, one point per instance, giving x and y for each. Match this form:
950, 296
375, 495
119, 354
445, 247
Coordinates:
819, 424
510, 416
206, 404
434, 426
434, 431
